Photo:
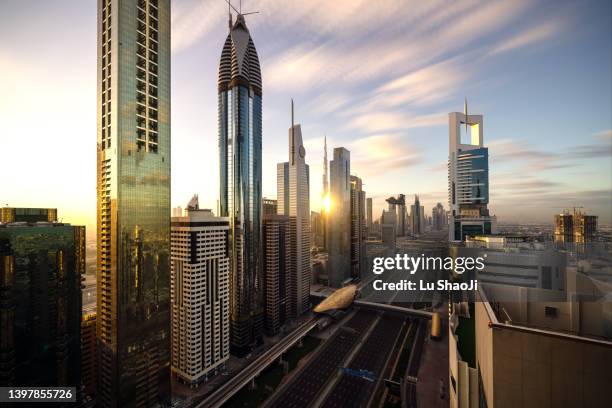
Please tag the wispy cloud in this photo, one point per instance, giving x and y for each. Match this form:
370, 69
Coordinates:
530, 36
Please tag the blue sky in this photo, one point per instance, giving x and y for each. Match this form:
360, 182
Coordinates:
378, 78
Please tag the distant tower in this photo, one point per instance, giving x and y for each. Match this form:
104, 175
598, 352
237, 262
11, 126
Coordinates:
358, 230
339, 219
468, 178
416, 214
325, 174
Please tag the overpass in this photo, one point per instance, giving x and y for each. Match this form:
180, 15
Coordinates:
384, 307
222, 394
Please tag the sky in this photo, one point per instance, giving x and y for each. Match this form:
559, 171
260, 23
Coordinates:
376, 77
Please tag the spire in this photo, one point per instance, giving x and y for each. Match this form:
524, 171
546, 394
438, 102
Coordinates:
465, 112
325, 176
292, 136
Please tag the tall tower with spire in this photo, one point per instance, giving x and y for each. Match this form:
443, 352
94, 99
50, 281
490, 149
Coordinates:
240, 141
293, 193
325, 164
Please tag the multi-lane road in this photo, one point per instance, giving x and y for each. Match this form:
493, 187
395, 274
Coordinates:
218, 397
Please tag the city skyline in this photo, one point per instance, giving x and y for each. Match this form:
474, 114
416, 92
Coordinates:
562, 147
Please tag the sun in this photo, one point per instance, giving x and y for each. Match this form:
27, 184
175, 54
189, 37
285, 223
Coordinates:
327, 203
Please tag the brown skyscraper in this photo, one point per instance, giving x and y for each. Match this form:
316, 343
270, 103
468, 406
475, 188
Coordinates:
133, 177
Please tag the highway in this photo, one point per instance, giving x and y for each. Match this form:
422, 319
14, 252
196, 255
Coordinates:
307, 385
218, 397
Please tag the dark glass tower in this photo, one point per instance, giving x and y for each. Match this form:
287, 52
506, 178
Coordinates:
133, 234
240, 138
40, 304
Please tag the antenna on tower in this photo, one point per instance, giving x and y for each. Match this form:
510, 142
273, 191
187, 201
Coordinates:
238, 11
465, 112
292, 136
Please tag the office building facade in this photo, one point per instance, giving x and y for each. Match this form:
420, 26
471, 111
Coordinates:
339, 219
438, 218
358, 228
240, 139
270, 206
468, 179
133, 197
199, 294
369, 219
416, 217
89, 358
279, 266
40, 304
575, 227
12, 214
293, 179
388, 226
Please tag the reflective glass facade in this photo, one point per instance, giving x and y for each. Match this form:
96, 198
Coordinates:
40, 304
133, 235
240, 140
473, 176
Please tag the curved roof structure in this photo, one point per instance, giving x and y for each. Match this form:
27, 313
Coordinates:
239, 61
340, 299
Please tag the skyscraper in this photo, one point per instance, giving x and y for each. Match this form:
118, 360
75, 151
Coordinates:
199, 295
133, 202
270, 206
294, 201
575, 227
358, 230
339, 219
41, 265
369, 215
388, 229
438, 217
325, 196
468, 178
416, 216
240, 139
279, 243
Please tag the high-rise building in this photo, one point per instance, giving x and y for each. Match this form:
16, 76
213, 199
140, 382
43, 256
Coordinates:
398, 206
294, 201
358, 230
438, 217
199, 295
133, 202
270, 206
468, 178
339, 219
11, 214
40, 304
369, 215
89, 358
325, 196
416, 217
388, 225
279, 264
240, 139
575, 227
316, 229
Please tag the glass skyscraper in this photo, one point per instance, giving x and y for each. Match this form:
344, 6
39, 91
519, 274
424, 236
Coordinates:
339, 219
41, 264
468, 178
240, 139
133, 195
